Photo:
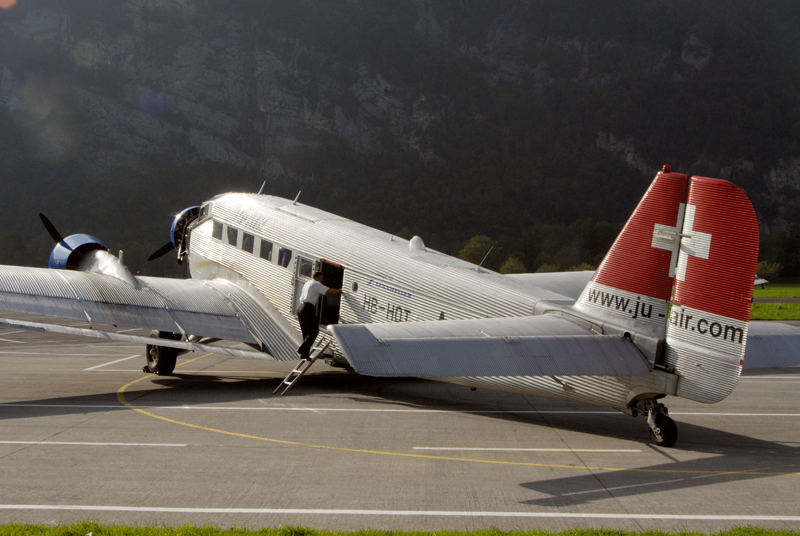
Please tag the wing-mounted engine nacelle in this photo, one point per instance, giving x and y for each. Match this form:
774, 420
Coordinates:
70, 251
86, 253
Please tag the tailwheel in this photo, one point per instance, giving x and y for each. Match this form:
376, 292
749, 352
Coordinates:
161, 359
663, 430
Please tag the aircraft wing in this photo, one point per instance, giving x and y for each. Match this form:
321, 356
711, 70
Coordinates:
527, 346
772, 344
216, 308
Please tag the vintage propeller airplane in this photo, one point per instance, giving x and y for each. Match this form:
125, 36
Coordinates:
666, 313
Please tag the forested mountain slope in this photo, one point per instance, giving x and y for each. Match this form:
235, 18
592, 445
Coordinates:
517, 120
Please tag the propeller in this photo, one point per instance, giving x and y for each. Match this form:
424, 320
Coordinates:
70, 251
160, 252
53, 232
177, 234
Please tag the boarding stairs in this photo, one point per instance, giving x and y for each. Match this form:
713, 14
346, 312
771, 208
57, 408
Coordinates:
302, 366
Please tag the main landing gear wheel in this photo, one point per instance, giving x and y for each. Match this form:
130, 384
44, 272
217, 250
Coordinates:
161, 359
663, 431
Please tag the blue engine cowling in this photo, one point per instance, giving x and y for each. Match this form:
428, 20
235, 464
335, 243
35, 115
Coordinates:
68, 252
177, 231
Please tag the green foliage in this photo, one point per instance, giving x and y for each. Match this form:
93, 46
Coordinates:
548, 267
582, 267
484, 119
96, 529
768, 270
775, 311
513, 265
778, 289
578, 245
480, 249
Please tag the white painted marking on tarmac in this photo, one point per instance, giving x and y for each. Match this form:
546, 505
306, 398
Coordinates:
93, 444
772, 382
187, 407
512, 449
16, 331
113, 362
51, 353
12, 341
405, 513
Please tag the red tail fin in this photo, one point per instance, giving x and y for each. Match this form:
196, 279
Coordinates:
698, 237
632, 285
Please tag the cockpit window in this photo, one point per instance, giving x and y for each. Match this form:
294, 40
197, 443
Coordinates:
216, 231
205, 212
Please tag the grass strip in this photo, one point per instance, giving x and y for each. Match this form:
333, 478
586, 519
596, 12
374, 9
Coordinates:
775, 311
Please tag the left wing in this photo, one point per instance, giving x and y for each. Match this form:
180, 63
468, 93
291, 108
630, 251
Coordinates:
519, 346
216, 308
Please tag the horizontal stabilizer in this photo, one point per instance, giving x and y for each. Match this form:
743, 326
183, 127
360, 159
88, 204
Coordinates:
772, 344
533, 346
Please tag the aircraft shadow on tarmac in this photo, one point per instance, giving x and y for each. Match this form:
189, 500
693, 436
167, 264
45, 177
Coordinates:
736, 457
739, 458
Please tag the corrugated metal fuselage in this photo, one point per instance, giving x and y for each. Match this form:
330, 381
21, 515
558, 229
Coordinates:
385, 279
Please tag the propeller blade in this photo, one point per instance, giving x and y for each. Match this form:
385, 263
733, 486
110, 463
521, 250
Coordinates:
160, 252
52, 231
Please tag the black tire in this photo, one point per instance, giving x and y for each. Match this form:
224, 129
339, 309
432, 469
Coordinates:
668, 431
161, 359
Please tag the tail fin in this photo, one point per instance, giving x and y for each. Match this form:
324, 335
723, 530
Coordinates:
632, 286
697, 239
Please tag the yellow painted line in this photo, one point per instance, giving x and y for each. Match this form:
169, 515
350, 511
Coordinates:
123, 400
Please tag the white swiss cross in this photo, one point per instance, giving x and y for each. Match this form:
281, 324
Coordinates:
683, 243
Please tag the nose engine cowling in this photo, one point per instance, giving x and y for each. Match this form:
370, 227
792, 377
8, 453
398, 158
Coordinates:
177, 234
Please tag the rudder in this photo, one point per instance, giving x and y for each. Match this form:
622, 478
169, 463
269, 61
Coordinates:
707, 329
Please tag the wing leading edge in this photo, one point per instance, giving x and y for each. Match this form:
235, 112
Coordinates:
529, 346
216, 308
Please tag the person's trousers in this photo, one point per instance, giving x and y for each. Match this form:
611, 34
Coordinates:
309, 326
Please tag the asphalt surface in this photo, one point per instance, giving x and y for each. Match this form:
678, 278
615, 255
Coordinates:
84, 434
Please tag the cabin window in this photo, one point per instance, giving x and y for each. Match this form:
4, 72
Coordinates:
306, 266
233, 235
248, 241
216, 231
284, 256
205, 212
266, 250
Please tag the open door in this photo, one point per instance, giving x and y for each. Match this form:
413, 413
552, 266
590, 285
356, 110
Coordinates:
332, 276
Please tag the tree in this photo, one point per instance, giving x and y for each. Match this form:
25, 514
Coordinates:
769, 270
512, 265
481, 249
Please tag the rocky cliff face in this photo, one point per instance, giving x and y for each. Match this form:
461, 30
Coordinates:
488, 106
116, 85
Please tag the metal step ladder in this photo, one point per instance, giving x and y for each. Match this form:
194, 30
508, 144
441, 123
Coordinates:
302, 366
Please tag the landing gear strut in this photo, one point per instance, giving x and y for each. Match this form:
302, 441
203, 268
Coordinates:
663, 431
161, 359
